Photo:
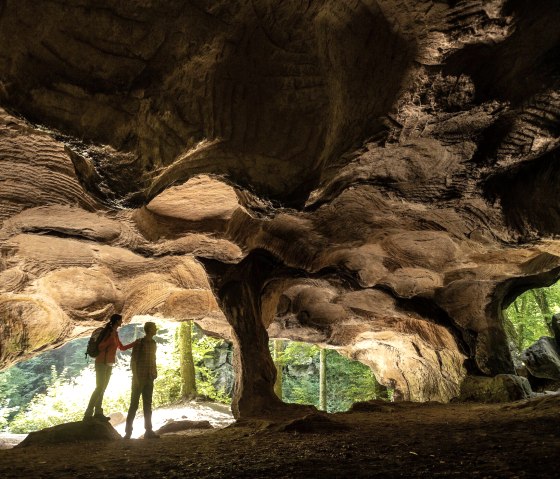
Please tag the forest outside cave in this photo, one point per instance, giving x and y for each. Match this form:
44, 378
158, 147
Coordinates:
529, 316
54, 387
531, 323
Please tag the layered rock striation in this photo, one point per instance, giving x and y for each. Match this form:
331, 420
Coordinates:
376, 176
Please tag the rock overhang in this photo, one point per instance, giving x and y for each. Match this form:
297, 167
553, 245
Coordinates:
364, 147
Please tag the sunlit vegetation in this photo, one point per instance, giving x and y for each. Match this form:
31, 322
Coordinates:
55, 387
346, 381
529, 316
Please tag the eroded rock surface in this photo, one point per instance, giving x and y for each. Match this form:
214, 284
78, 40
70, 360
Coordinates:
500, 388
380, 177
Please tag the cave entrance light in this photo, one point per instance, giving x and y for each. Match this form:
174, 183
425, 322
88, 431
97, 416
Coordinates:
308, 374
529, 317
54, 387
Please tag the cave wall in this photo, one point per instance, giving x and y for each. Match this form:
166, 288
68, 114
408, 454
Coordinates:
393, 160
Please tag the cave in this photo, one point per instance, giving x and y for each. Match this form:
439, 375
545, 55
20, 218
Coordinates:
374, 176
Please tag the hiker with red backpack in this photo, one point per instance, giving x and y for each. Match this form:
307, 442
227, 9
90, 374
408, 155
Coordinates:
103, 346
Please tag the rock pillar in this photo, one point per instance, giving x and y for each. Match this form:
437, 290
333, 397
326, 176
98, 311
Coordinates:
240, 298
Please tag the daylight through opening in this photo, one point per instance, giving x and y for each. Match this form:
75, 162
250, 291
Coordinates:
54, 387
308, 374
531, 323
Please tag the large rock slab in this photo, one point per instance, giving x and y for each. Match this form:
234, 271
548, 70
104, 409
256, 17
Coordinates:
542, 359
500, 388
7, 440
80, 431
183, 425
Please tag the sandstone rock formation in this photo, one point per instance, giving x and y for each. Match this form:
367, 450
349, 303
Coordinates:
376, 176
500, 388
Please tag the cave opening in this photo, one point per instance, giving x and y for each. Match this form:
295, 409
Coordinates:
530, 315
531, 323
322, 377
54, 387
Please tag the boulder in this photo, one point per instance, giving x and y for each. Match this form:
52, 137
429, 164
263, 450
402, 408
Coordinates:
312, 423
72, 432
500, 388
542, 359
116, 418
176, 426
7, 440
555, 325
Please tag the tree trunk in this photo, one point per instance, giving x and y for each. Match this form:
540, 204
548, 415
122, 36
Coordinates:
542, 303
278, 348
523, 305
323, 380
522, 314
188, 378
516, 305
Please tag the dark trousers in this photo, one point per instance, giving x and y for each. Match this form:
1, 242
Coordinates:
146, 390
102, 376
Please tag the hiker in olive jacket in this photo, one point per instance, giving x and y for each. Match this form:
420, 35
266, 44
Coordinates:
144, 371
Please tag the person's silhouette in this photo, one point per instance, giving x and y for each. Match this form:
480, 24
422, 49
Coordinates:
104, 366
144, 371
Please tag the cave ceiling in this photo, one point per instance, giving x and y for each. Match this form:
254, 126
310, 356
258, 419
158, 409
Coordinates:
377, 176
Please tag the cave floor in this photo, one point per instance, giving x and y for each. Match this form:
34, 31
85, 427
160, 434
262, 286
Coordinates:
520, 439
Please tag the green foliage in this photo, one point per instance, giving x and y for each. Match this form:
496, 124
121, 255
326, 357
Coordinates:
300, 373
298, 353
167, 386
18, 386
55, 388
65, 399
205, 386
347, 381
6, 410
203, 348
528, 317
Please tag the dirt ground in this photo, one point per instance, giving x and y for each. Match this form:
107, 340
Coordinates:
514, 440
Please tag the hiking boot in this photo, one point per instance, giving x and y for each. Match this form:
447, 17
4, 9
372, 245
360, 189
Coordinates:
101, 417
151, 435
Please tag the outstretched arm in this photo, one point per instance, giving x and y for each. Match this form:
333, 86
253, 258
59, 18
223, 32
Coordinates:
126, 346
